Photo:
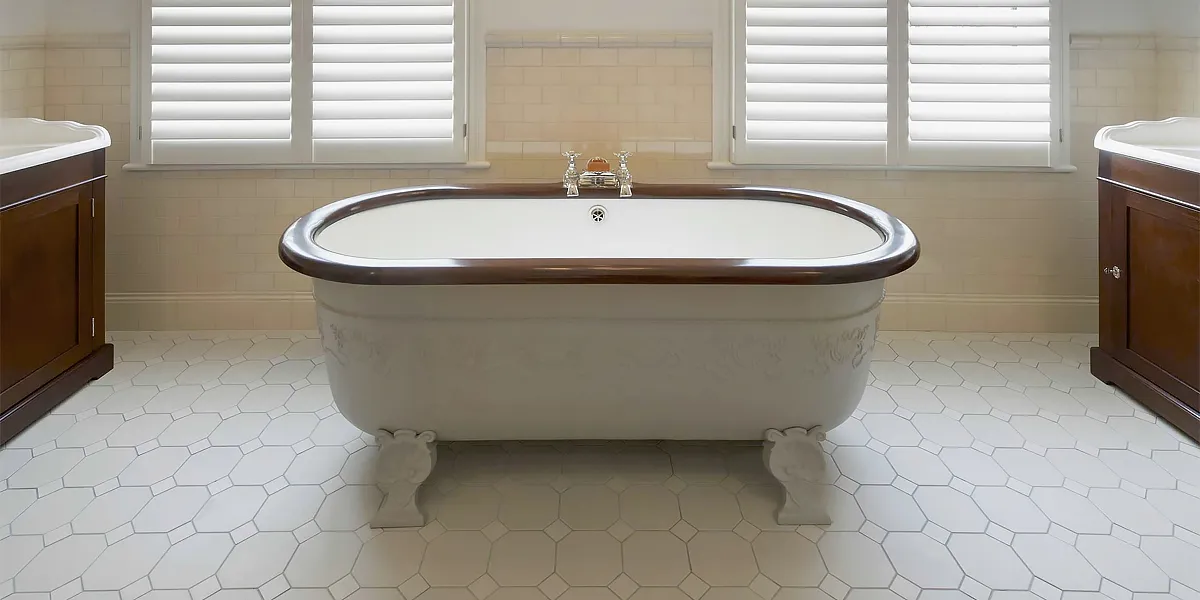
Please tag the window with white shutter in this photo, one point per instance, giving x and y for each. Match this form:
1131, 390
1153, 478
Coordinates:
814, 78
383, 81
896, 83
980, 83
220, 81
304, 81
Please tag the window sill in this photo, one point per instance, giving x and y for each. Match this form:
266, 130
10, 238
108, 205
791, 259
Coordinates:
473, 165
728, 166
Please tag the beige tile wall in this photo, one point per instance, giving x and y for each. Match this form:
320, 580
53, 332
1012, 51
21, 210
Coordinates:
21, 78
1001, 251
1178, 77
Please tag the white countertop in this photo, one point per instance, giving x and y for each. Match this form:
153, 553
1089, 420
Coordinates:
1171, 142
27, 143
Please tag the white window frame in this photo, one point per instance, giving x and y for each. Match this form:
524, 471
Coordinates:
729, 102
469, 105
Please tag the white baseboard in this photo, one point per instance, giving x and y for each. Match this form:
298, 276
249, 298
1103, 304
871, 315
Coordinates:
902, 311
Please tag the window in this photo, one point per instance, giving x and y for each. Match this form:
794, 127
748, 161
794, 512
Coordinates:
303, 81
897, 83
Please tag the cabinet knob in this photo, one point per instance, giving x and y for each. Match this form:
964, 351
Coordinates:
1114, 271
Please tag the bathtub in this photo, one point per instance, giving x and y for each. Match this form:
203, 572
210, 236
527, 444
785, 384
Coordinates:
510, 312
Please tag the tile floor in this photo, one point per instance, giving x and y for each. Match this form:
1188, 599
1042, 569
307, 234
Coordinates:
214, 465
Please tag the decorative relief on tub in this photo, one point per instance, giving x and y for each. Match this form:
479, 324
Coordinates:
852, 345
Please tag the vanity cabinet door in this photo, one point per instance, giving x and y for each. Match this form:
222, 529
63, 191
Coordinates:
46, 303
1152, 279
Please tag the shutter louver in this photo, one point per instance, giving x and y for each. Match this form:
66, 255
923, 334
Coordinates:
220, 81
979, 79
384, 81
816, 82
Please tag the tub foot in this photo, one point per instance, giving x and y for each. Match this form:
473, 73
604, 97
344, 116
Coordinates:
405, 459
794, 457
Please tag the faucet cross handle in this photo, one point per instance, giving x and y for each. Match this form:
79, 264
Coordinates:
571, 156
623, 158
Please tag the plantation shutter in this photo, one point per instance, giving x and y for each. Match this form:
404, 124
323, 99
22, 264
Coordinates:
814, 81
384, 84
220, 81
980, 84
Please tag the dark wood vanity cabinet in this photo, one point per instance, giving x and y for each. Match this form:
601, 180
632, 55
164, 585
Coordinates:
1150, 287
51, 286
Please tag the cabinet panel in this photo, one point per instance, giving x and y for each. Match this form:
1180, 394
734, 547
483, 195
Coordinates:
45, 294
1156, 298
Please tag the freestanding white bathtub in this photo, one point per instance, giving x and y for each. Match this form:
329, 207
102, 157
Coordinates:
509, 312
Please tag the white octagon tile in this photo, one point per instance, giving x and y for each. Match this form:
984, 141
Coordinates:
955, 351
257, 560
993, 431
245, 372
890, 508
154, 466
998, 353
1083, 468
922, 560
913, 350
1034, 351
589, 507
1011, 510
391, 558
656, 558
943, 431
86, 398
42, 431
917, 399
189, 429
323, 559
875, 400
268, 349
989, 562
126, 562
349, 508
863, 465
893, 373
239, 429
310, 399
159, 373
17, 551
1042, 432
230, 509
228, 349
99, 467
1056, 562
288, 371
138, 431
973, 466
855, 559
709, 507
334, 430
789, 559
1181, 508
1137, 469
288, 429
221, 397
962, 400
14, 502
127, 399
208, 465
1178, 558
1071, 510
524, 506
649, 507
1022, 374
111, 510
892, 430
170, 509
173, 399
1131, 512
1184, 466
45, 468
979, 374
919, 466
950, 509
458, 558
188, 350
850, 433
316, 465
262, 465
191, 561
1055, 401
1103, 402
266, 398
1068, 376
465, 507
523, 558
720, 558
147, 350
289, 508
1009, 401
52, 511
1122, 563
1028, 467
59, 563
202, 372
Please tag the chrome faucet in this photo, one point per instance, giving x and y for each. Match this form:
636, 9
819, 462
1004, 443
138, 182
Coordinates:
624, 177
598, 175
571, 177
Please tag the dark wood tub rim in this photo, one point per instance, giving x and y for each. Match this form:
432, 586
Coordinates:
299, 251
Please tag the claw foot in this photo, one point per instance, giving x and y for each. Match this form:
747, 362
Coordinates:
406, 459
794, 457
